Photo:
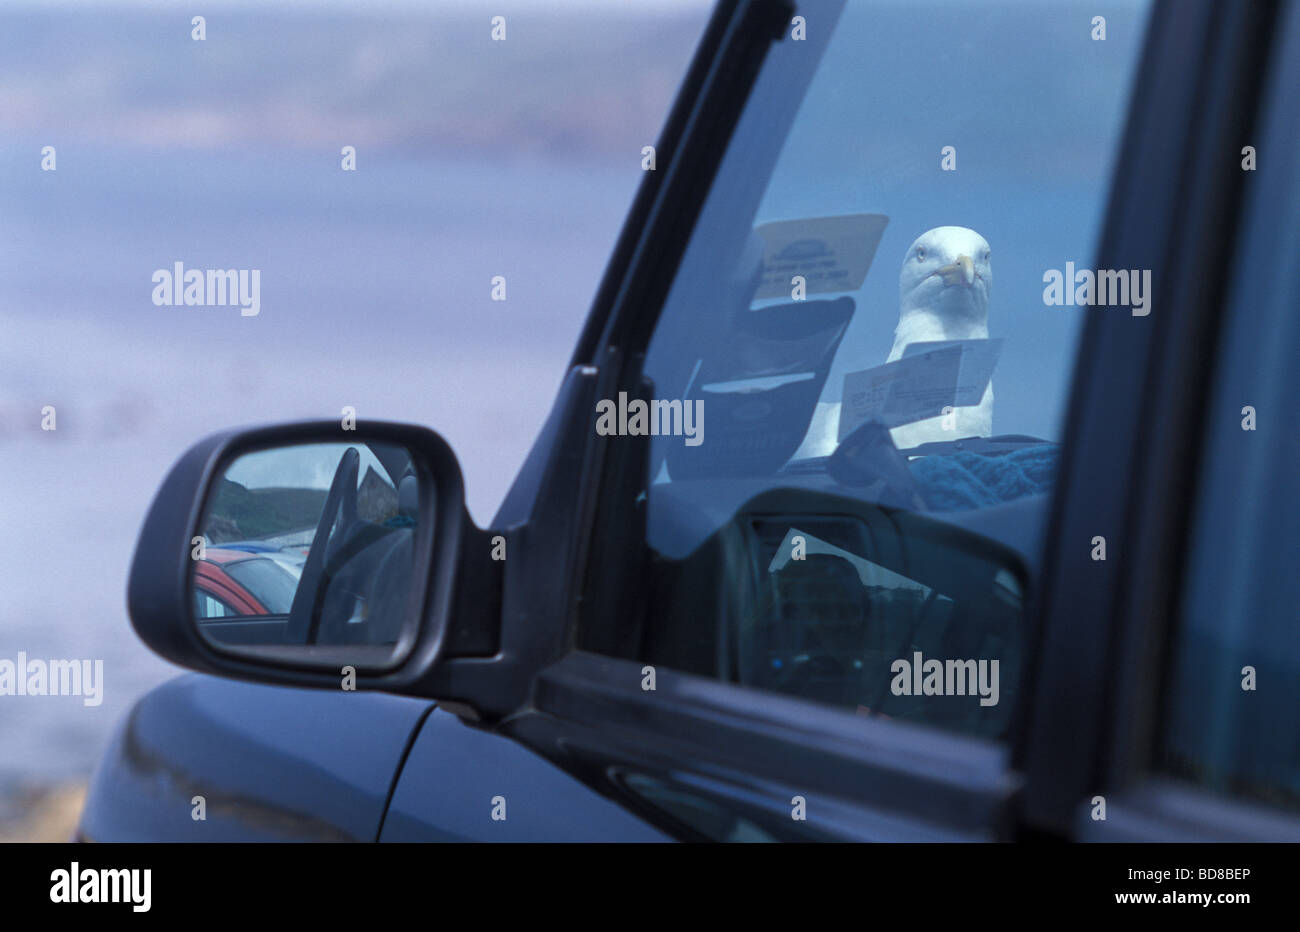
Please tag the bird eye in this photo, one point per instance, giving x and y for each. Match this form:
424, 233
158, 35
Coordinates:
920, 253
987, 254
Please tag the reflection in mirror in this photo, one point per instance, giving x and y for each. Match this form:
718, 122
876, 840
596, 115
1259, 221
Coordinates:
310, 544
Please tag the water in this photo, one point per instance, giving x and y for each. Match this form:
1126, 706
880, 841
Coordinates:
475, 159
389, 313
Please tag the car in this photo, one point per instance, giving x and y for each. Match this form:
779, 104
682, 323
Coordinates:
250, 546
221, 585
764, 577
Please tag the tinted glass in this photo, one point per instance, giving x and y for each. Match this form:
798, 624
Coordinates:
863, 351
1234, 695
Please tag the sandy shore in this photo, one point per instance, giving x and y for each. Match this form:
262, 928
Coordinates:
44, 814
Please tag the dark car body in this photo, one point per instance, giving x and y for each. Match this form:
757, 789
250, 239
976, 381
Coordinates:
583, 753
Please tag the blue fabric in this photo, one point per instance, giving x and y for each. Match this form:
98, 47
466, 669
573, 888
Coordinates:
971, 480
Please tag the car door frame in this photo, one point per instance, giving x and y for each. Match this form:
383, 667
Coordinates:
1090, 732
865, 778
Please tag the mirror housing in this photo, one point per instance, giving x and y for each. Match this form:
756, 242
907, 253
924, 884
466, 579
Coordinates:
455, 597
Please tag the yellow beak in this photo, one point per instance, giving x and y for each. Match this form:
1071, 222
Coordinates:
960, 272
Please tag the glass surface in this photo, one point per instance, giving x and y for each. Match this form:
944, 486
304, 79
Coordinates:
308, 545
865, 310
1233, 699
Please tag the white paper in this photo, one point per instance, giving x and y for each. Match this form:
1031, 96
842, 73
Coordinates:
929, 377
832, 254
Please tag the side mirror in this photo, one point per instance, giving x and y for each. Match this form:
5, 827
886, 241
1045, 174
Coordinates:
290, 554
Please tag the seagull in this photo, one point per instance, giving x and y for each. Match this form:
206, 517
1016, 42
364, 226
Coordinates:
943, 294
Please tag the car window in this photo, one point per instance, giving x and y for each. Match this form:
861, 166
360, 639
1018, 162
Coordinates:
209, 606
855, 388
1233, 699
271, 584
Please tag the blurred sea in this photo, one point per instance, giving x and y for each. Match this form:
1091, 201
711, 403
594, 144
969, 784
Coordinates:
375, 284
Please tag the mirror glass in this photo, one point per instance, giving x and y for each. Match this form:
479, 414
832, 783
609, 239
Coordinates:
311, 545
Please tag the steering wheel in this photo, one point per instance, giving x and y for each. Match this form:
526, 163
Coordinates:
340, 503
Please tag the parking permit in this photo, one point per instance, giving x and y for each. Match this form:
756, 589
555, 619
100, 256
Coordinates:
832, 254
929, 377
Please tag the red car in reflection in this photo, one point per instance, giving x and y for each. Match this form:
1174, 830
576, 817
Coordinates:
233, 583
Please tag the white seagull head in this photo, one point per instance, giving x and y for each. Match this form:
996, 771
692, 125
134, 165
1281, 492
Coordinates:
946, 272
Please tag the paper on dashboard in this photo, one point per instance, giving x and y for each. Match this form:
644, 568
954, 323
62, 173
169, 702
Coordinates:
832, 254
929, 377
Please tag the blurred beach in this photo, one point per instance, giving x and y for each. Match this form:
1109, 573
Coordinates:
474, 159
